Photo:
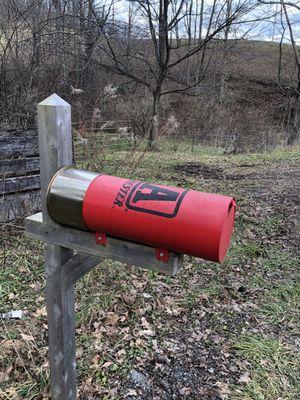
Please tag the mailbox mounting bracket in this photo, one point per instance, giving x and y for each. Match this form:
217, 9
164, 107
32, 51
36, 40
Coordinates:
146, 257
100, 238
162, 255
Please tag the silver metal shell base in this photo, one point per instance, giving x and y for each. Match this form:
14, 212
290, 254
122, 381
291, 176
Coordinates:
65, 196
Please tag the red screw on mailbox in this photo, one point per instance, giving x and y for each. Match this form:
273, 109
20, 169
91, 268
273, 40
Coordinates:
183, 221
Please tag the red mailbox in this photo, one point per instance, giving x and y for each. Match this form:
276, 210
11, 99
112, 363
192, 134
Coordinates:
168, 218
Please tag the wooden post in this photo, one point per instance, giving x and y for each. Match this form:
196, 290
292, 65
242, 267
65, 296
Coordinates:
55, 144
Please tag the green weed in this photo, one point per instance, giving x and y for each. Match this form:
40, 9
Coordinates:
273, 371
282, 304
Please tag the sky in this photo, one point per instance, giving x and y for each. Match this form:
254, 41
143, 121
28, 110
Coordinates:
269, 29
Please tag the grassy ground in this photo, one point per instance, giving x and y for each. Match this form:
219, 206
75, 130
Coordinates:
213, 331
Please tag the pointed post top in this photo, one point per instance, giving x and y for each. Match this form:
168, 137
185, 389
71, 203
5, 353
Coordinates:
55, 142
54, 101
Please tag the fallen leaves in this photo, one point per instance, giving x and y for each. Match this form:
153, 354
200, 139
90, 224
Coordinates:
27, 338
112, 318
147, 332
245, 378
41, 312
223, 390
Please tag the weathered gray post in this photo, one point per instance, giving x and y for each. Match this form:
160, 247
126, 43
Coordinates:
55, 143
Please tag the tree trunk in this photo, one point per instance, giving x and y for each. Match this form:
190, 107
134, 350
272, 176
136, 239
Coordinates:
155, 122
295, 128
224, 72
89, 44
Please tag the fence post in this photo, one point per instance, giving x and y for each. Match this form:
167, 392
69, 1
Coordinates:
55, 145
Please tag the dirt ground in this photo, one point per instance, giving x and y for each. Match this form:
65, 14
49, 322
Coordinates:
227, 331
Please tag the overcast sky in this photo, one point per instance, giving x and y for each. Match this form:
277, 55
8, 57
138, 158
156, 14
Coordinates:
269, 30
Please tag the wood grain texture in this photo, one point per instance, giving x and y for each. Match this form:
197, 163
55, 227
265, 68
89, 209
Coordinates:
19, 174
61, 325
14, 144
55, 142
17, 205
19, 167
116, 249
55, 148
77, 266
19, 184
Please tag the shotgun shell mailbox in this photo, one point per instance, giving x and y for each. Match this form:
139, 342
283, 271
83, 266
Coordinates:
168, 218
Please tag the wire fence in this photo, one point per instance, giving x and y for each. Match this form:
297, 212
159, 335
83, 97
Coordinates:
111, 146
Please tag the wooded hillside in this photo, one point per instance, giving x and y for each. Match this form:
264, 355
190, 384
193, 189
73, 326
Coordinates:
185, 69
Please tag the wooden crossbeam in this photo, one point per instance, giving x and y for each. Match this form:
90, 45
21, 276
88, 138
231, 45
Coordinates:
116, 249
77, 266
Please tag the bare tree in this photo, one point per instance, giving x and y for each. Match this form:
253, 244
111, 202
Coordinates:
153, 49
224, 72
295, 129
153, 55
287, 9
